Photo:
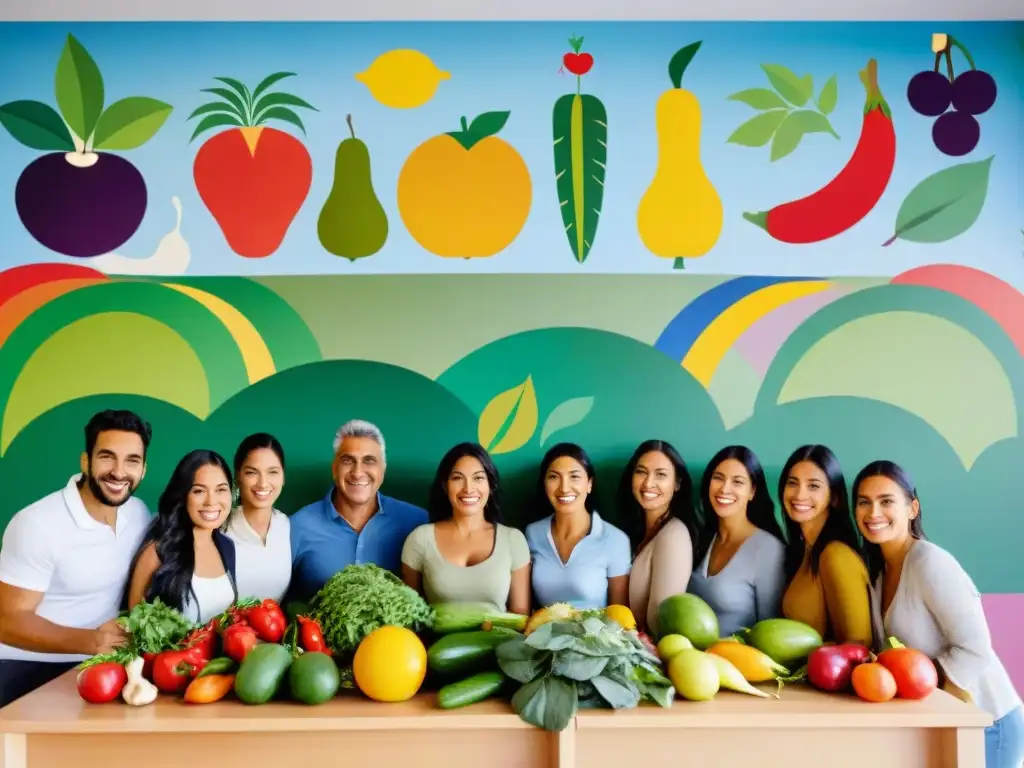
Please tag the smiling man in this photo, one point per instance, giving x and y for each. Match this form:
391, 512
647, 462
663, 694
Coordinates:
354, 523
65, 559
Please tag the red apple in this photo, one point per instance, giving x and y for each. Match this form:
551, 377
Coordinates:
830, 666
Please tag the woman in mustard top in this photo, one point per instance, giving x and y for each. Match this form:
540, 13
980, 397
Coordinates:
825, 572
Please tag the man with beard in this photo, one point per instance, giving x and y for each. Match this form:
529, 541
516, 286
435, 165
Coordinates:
65, 559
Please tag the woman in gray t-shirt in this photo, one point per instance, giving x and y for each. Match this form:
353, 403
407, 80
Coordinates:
740, 554
923, 597
464, 554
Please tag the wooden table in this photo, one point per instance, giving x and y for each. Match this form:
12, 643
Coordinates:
54, 727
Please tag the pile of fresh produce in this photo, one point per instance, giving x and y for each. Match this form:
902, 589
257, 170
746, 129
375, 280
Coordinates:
362, 598
896, 672
167, 654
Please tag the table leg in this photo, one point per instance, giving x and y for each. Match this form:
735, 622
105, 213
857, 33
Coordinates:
963, 748
15, 751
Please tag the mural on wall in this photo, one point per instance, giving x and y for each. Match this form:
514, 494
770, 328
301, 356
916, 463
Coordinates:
790, 233
791, 149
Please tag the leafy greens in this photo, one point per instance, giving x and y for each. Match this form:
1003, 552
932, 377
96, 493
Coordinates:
590, 661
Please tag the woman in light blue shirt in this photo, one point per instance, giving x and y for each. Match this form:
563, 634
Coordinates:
739, 560
578, 558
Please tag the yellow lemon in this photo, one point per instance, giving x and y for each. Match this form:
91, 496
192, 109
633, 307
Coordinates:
466, 193
621, 615
402, 78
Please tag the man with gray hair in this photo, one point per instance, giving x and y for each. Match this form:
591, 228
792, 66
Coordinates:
354, 522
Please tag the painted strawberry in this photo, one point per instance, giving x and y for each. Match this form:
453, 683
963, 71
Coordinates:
253, 179
577, 63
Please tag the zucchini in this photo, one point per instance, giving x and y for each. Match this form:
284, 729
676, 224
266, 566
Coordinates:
463, 652
461, 617
471, 690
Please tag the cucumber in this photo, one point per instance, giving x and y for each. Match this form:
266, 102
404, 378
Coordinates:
462, 617
471, 690
463, 652
261, 673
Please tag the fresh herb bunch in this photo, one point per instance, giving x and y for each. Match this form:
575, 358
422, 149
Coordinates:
361, 598
578, 663
152, 628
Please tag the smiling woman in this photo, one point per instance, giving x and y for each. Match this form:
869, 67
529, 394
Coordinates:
184, 559
464, 554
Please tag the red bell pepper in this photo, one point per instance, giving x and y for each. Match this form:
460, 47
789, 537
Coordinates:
173, 670
311, 637
204, 638
268, 621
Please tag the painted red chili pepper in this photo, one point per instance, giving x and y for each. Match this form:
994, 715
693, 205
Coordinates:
854, 192
311, 637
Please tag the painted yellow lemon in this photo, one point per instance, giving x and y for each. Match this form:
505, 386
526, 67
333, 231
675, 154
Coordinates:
402, 78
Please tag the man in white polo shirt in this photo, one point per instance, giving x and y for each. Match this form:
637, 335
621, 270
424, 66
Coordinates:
65, 559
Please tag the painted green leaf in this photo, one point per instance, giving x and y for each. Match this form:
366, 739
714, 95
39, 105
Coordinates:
483, 125
232, 102
943, 205
829, 96
36, 125
79, 88
218, 120
130, 123
580, 127
759, 98
758, 130
793, 129
268, 81
565, 415
509, 420
279, 100
213, 106
281, 113
795, 90
240, 88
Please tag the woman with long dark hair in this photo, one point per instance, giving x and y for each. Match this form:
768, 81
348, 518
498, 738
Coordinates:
828, 581
261, 532
184, 559
578, 557
656, 499
464, 554
739, 562
923, 596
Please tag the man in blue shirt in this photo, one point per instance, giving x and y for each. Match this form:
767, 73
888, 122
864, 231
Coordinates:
354, 523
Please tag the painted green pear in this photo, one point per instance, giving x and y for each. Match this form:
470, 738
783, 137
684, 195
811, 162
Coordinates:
352, 223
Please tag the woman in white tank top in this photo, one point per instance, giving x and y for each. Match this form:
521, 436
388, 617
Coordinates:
184, 559
262, 534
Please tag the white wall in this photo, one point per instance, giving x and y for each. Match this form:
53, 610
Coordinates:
570, 10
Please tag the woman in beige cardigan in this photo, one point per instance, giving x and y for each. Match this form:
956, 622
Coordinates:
656, 507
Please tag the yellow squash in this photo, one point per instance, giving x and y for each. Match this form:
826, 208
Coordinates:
680, 215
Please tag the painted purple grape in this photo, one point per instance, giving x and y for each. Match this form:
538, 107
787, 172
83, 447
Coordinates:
81, 212
956, 133
974, 92
929, 93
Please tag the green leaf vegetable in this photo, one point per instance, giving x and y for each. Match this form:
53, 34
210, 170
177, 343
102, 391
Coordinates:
783, 121
241, 108
580, 129
152, 627
362, 598
943, 205
83, 125
590, 661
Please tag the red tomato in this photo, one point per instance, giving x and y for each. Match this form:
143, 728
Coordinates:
238, 640
268, 621
914, 672
101, 683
